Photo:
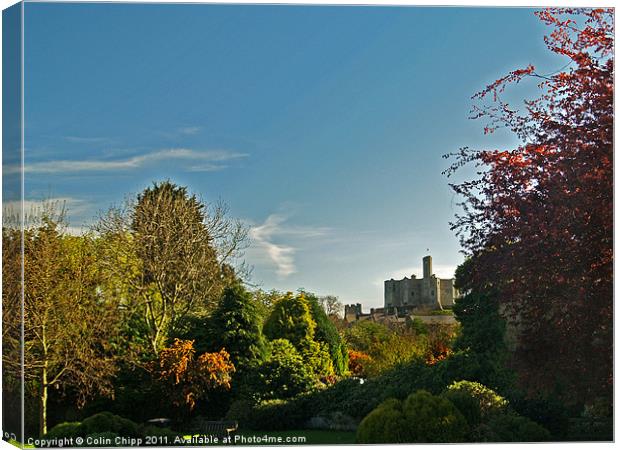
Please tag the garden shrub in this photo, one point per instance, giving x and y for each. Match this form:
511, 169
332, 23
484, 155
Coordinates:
466, 404
595, 423
357, 399
386, 423
106, 421
317, 358
357, 363
326, 333
489, 402
422, 417
433, 419
548, 410
284, 374
272, 415
590, 429
510, 427
290, 319
416, 325
62, 430
241, 410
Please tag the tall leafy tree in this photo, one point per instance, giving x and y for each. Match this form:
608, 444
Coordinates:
327, 333
538, 222
174, 255
66, 324
291, 319
236, 326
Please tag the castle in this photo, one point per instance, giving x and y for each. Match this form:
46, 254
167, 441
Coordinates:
410, 295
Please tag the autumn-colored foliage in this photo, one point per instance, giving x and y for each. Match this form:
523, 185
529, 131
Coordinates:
538, 223
357, 362
437, 351
439, 343
191, 378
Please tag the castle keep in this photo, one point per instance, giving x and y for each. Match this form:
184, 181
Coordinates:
410, 296
426, 293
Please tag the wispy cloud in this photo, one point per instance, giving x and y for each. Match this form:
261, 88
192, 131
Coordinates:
180, 132
193, 160
86, 140
190, 130
282, 255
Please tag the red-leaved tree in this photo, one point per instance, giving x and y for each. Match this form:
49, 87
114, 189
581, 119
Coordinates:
538, 222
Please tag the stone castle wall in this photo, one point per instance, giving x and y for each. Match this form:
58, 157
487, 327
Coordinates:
406, 297
428, 292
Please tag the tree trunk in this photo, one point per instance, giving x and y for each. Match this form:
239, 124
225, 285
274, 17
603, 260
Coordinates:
43, 403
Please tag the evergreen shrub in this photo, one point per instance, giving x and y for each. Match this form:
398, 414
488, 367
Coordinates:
106, 421
62, 430
422, 417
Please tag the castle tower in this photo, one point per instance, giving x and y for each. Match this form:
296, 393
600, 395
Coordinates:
427, 267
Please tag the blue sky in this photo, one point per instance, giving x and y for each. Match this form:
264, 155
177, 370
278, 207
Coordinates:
321, 127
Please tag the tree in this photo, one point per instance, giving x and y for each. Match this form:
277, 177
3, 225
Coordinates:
236, 325
386, 346
326, 333
11, 320
67, 326
265, 301
290, 319
284, 374
190, 379
538, 223
357, 363
332, 305
172, 252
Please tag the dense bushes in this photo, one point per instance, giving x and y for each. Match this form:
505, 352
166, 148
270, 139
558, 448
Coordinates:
386, 423
326, 333
284, 374
398, 344
104, 422
479, 409
510, 427
105, 425
271, 415
290, 319
488, 402
65, 429
385, 346
466, 411
422, 417
350, 396
236, 326
358, 361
